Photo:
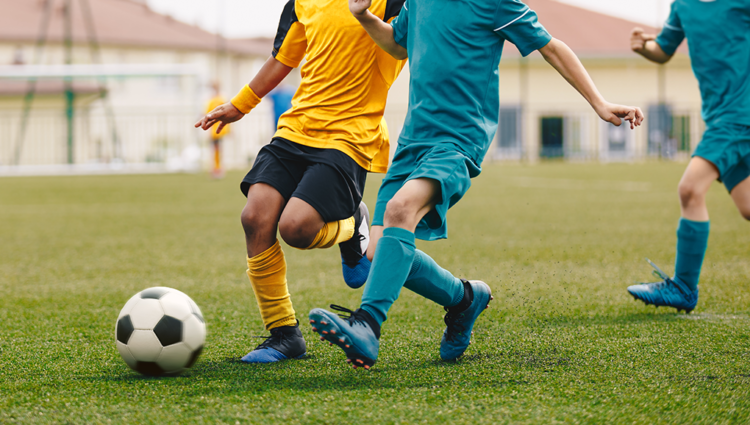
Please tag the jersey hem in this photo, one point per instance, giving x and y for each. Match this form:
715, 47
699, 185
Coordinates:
347, 150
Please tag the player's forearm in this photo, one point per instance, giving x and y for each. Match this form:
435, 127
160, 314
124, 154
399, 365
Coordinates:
382, 34
562, 58
653, 52
270, 75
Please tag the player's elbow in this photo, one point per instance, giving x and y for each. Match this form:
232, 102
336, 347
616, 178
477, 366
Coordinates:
399, 53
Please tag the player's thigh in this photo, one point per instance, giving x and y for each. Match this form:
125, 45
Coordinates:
741, 197
697, 179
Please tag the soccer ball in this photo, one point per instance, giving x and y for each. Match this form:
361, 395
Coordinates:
160, 331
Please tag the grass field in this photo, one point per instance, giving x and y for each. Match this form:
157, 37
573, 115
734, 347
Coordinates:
562, 342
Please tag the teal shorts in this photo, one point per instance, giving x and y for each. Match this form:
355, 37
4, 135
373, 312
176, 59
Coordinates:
444, 163
727, 146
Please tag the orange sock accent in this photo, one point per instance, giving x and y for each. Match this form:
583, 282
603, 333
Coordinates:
267, 273
333, 233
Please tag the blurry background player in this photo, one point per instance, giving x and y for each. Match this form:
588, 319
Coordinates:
308, 182
454, 50
718, 34
281, 96
215, 135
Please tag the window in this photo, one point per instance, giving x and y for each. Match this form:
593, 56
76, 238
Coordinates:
681, 133
552, 137
508, 136
659, 122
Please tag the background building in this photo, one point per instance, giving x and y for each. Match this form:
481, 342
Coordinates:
158, 74
138, 111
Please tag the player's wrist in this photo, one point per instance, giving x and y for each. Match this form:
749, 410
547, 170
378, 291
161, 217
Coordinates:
245, 100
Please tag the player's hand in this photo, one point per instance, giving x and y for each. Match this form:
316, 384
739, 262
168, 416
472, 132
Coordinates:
616, 113
359, 7
223, 114
638, 39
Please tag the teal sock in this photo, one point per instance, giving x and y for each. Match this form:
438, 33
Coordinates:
390, 268
433, 282
692, 240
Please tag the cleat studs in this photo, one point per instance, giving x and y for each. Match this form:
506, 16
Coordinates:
322, 339
333, 332
325, 332
348, 360
341, 340
367, 367
312, 321
346, 346
360, 361
315, 329
330, 343
322, 322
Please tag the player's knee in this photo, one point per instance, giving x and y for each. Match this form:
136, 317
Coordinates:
397, 212
689, 194
254, 221
296, 232
745, 213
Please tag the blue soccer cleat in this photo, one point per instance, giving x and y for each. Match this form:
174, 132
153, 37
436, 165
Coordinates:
358, 335
669, 292
460, 319
285, 342
354, 262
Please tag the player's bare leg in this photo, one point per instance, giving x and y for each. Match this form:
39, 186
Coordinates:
681, 291
267, 273
300, 223
741, 197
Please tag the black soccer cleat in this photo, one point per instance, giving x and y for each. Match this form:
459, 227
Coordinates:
285, 342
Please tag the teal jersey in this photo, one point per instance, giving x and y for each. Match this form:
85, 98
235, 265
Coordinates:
454, 51
718, 34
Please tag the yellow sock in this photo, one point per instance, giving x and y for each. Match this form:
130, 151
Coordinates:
267, 273
333, 233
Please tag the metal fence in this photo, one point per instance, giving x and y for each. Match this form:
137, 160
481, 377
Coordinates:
132, 139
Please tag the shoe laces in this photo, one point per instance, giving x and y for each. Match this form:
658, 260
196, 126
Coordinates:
353, 316
666, 281
269, 339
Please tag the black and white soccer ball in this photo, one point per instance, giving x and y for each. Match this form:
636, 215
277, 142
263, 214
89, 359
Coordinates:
160, 331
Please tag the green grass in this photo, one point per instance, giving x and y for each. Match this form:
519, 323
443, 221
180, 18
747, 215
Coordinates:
562, 342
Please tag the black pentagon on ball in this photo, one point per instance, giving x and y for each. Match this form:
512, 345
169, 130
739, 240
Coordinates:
154, 293
124, 329
194, 356
168, 330
149, 368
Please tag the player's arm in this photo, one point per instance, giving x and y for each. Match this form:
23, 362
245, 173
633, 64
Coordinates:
646, 46
380, 32
270, 75
289, 48
562, 58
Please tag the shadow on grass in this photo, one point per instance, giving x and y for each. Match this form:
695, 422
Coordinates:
305, 375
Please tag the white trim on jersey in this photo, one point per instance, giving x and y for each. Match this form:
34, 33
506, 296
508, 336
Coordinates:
522, 15
673, 28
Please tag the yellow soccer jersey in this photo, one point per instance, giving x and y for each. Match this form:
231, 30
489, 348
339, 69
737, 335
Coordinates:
340, 101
